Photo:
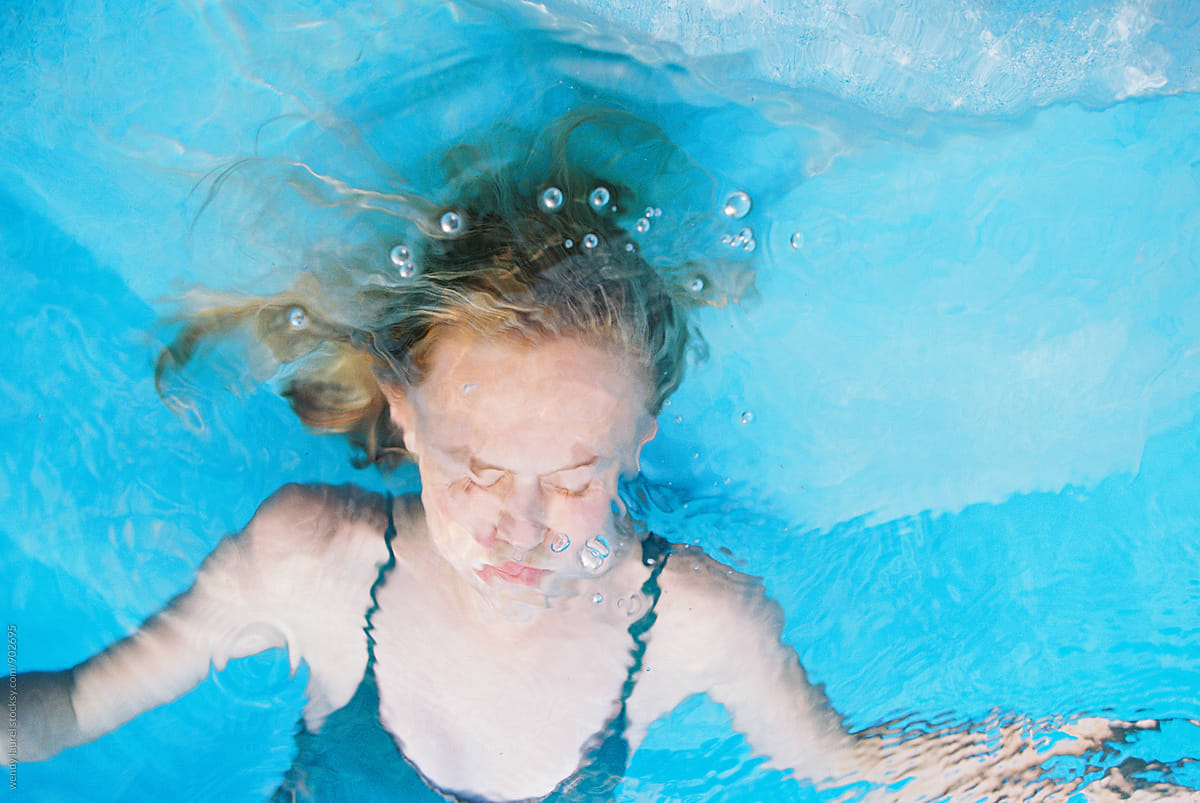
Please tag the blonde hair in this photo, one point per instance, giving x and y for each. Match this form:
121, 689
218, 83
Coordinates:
535, 255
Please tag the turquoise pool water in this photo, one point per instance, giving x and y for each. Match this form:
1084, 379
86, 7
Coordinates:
957, 431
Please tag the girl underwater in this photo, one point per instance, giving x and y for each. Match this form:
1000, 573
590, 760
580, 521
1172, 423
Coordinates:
511, 629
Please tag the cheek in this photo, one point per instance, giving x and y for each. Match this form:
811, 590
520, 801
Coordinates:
471, 508
584, 516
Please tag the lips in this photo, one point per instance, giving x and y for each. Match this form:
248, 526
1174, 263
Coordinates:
512, 572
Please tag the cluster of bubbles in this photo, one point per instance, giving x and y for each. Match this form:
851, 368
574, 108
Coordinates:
452, 222
643, 223
744, 240
737, 206
600, 198
402, 258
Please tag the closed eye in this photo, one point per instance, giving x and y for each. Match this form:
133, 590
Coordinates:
577, 490
486, 478
476, 482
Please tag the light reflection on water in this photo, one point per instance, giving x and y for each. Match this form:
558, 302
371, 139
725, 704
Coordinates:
972, 364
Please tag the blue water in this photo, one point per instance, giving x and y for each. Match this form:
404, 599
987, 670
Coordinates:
956, 430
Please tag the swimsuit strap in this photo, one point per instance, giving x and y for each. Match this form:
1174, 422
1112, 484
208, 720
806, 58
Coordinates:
322, 761
600, 774
318, 763
388, 536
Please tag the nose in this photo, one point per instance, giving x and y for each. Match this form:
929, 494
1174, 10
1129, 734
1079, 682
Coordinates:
522, 515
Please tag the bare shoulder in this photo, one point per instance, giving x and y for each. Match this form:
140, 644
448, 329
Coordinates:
314, 520
695, 583
329, 505
714, 628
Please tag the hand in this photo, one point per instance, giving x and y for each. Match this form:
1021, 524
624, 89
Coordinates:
46, 721
1122, 784
996, 761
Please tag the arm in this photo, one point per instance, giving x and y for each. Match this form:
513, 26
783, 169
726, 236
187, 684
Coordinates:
298, 576
718, 633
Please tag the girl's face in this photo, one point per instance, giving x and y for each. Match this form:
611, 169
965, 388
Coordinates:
520, 447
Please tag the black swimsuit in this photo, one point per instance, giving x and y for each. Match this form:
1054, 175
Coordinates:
355, 758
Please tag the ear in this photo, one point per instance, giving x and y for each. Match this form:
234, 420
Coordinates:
403, 414
648, 433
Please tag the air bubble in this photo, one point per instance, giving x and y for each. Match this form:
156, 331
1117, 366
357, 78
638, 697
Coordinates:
297, 318
568, 243
696, 285
594, 552
467, 388
678, 419
658, 211
797, 239
747, 417
590, 560
560, 542
727, 239
597, 598
749, 245
590, 240
737, 205
629, 247
599, 197
642, 225
552, 198
451, 222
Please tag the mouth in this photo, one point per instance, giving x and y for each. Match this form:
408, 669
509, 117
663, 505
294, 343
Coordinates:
512, 572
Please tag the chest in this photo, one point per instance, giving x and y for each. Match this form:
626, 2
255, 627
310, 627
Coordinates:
495, 708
